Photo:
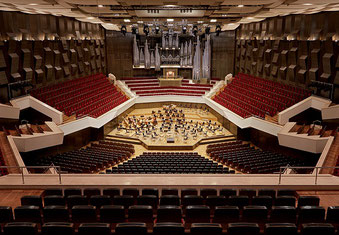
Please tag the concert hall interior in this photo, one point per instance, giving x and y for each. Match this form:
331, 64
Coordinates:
169, 117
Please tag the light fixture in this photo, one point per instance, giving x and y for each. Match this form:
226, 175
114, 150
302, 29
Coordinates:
140, 22
200, 21
213, 20
127, 20
224, 15
100, 5
307, 4
33, 4
170, 20
240, 5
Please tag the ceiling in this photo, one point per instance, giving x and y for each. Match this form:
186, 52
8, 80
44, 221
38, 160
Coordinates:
114, 13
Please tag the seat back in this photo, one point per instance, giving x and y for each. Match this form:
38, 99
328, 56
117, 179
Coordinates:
57, 228
94, 228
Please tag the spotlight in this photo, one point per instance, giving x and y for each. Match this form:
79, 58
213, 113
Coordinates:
218, 29
184, 29
123, 30
195, 30
146, 30
207, 30
157, 29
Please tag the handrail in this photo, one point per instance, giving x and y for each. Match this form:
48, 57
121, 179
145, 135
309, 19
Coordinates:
56, 168
316, 168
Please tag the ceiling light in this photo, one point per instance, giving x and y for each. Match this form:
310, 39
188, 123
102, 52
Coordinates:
170, 20
100, 5
240, 5
213, 20
307, 4
140, 22
127, 20
200, 21
224, 15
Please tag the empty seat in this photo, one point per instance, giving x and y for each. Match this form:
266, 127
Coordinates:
169, 214
170, 200
247, 192
267, 192
100, 200
19, 228
283, 214
6, 214
239, 201
57, 228
308, 201
54, 200
208, 192
168, 229
243, 229
262, 201
317, 228
150, 200
111, 192
112, 214
94, 228
212, 201
140, 213
88, 192
256, 214
198, 214
150, 191
75, 200
332, 215
286, 192
84, 214
206, 228
226, 214
27, 214
169, 191
280, 229
52, 191
131, 191
131, 229
188, 191
31, 200
124, 200
228, 192
311, 214
55, 214
285, 201
192, 200
72, 191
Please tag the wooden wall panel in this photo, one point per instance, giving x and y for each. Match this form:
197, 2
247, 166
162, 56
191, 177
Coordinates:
296, 49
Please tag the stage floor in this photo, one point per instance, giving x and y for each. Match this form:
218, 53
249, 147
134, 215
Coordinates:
182, 139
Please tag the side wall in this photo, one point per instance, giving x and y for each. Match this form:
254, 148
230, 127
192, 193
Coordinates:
294, 49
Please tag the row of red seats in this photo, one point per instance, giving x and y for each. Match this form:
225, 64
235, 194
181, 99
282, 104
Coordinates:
168, 93
70, 83
93, 95
244, 105
169, 87
174, 91
234, 108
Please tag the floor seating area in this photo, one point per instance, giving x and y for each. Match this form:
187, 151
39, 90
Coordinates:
161, 211
149, 86
247, 159
92, 159
93, 96
170, 163
248, 95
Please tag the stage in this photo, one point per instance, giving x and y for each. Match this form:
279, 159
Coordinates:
173, 137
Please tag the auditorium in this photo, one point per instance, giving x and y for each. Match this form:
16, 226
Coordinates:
169, 117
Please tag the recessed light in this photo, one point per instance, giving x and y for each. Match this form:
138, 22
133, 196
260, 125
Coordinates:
200, 21
213, 20
100, 5
127, 20
240, 5
170, 20
307, 4
224, 15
